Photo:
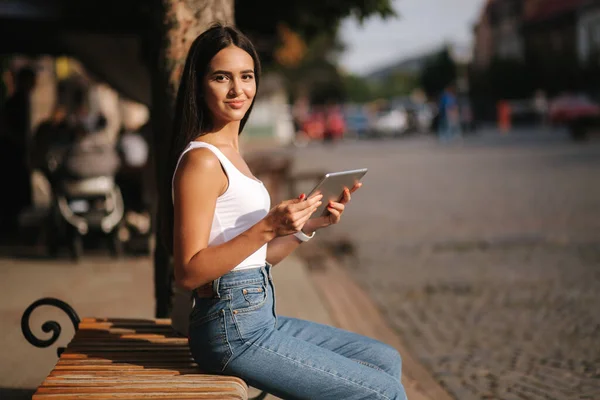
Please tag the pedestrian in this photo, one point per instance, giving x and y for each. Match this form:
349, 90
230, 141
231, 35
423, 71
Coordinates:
15, 130
334, 124
540, 104
225, 239
504, 122
449, 115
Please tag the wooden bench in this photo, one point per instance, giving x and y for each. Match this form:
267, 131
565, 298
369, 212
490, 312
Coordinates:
125, 359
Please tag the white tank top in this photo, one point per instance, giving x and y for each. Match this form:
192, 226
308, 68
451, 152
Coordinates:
245, 202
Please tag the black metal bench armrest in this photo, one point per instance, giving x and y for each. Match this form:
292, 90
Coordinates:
49, 326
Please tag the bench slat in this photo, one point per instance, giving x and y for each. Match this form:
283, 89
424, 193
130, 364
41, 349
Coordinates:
143, 372
129, 343
155, 321
129, 355
139, 388
141, 396
93, 379
151, 373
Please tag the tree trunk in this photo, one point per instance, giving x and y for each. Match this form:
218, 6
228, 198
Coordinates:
181, 21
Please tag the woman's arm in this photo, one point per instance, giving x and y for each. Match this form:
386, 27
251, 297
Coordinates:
199, 181
281, 247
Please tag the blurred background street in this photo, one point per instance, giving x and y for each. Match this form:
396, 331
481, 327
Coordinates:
491, 271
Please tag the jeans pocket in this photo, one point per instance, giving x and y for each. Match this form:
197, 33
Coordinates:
251, 310
254, 295
249, 297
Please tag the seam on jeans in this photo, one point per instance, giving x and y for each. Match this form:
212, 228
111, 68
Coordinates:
235, 324
274, 302
318, 369
228, 358
368, 364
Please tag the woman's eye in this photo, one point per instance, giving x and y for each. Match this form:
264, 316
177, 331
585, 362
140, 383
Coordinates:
247, 77
220, 78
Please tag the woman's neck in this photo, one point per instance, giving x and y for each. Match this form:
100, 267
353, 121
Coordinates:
223, 135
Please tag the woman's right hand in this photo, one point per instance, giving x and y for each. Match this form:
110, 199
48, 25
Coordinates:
290, 216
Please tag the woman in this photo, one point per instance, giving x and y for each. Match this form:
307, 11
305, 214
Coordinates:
225, 239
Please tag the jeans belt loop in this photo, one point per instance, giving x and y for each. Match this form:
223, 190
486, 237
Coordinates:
270, 268
265, 275
215, 287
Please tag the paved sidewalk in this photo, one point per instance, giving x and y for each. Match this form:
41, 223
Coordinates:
97, 286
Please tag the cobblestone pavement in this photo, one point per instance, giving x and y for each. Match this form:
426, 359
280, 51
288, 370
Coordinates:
484, 255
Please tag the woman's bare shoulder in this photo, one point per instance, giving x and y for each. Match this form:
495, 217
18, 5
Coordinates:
199, 158
199, 162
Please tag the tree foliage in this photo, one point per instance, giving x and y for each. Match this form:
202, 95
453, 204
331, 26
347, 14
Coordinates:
309, 18
438, 72
299, 38
269, 22
360, 89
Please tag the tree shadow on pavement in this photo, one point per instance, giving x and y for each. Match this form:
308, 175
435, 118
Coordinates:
16, 394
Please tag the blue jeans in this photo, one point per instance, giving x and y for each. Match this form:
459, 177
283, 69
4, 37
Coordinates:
237, 332
448, 130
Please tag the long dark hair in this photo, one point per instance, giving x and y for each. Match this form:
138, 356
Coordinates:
192, 117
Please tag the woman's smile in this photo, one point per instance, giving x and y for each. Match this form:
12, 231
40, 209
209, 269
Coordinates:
235, 104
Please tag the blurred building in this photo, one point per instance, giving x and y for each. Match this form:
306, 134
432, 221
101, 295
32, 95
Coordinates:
525, 29
556, 39
588, 33
551, 34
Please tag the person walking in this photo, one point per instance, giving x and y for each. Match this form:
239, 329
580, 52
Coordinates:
449, 115
15, 128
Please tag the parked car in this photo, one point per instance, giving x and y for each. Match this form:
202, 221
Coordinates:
391, 122
578, 112
419, 115
424, 115
357, 120
312, 128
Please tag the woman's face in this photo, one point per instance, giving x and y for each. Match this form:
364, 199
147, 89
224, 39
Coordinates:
229, 85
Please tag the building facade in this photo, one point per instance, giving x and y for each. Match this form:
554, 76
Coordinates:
555, 41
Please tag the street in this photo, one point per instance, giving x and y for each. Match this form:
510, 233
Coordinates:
484, 255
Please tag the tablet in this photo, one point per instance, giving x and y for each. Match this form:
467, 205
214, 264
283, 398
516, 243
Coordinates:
332, 187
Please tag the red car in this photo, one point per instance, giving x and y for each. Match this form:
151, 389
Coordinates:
579, 113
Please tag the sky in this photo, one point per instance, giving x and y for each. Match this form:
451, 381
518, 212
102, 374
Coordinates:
421, 25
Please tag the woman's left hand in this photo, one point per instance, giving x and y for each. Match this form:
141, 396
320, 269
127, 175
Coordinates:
335, 211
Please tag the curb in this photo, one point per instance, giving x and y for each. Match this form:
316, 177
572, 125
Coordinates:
352, 309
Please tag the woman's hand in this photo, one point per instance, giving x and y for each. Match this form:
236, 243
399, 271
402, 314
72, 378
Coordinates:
290, 216
335, 211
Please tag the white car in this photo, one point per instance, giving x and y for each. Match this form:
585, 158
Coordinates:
391, 123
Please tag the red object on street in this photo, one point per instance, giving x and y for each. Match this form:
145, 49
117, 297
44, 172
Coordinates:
565, 109
335, 124
504, 122
314, 125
